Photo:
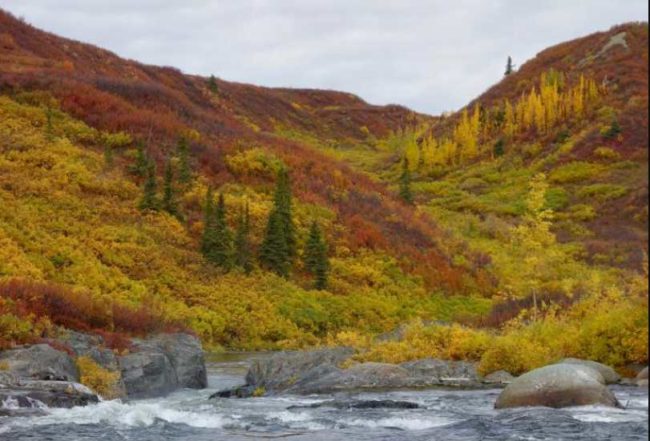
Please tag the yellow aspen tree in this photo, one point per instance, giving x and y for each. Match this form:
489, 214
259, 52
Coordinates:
428, 154
412, 153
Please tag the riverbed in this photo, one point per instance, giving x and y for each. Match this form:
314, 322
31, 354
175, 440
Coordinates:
446, 415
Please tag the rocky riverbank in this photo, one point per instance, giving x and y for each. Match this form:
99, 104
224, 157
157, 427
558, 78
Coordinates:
39, 375
569, 382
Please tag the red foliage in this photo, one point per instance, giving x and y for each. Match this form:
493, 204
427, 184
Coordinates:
79, 311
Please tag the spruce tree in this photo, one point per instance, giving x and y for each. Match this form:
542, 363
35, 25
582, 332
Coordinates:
279, 245
282, 203
212, 84
169, 203
405, 183
273, 252
207, 239
315, 257
184, 170
49, 128
140, 167
221, 252
149, 199
242, 241
509, 66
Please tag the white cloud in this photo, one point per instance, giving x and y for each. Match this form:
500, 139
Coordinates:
430, 55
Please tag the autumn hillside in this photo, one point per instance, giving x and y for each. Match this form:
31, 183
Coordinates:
515, 218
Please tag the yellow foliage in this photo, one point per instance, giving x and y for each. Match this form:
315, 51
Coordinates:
100, 380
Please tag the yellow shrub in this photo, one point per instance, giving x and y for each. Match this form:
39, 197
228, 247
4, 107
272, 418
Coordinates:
100, 380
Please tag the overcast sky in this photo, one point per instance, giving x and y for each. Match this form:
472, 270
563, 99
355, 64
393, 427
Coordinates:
430, 55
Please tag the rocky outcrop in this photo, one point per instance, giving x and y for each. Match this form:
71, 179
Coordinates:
283, 369
92, 346
39, 362
162, 364
609, 374
558, 385
319, 371
39, 375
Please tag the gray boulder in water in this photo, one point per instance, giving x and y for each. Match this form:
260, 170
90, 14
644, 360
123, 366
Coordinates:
558, 385
642, 378
609, 374
186, 356
40, 362
162, 364
283, 369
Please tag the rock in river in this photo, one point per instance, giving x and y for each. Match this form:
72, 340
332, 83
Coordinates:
609, 374
558, 385
39, 362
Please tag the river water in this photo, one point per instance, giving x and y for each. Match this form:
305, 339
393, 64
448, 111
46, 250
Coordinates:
446, 415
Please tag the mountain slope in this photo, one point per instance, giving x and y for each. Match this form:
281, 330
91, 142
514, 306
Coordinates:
521, 234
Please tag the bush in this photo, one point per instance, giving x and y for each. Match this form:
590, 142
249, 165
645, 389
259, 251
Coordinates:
575, 171
102, 381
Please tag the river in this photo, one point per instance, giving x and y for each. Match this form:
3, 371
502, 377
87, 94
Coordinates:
446, 415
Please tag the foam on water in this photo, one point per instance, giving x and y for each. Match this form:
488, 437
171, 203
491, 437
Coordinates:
404, 423
136, 414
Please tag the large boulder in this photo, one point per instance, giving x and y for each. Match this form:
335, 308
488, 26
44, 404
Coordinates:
186, 356
434, 372
609, 374
163, 363
39, 362
558, 385
147, 373
642, 378
283, 369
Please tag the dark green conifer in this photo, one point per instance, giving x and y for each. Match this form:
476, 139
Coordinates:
405, 183
273, 252
499, 147
279, 245
243, 254
212, 84
315, 257
149, 199
221, 252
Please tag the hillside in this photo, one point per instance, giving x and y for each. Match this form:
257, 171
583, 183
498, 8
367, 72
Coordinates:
488, 242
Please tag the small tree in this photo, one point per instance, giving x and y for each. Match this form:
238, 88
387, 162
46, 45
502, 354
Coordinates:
243, 257
49, 127
212, 84
221, 252
169, 203
149, 199
315, 257
405, 183
273, 252
509, 66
